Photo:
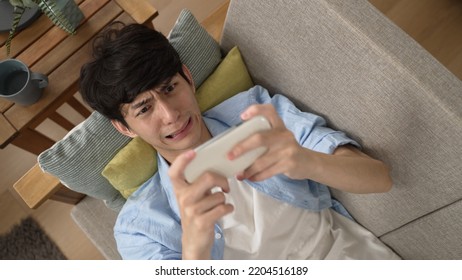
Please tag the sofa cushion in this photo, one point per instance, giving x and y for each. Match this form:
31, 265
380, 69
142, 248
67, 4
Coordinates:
136, 162
97, 222
416, 240
347, 62
78, 159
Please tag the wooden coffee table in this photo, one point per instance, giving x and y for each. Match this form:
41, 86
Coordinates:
47, 49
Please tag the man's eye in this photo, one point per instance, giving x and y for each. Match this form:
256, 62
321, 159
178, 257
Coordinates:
143, 110
169, 88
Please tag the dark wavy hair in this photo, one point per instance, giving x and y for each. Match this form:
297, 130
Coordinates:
127, 60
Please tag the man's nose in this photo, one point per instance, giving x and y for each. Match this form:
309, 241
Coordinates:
167, 111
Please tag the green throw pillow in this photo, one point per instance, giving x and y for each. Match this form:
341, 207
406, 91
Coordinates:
230, 77
131, 166
136, 162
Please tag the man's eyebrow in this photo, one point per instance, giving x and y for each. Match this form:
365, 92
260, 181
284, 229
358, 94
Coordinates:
140, 103
165, 83
161, 86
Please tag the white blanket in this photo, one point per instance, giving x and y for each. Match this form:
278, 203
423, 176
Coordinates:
263, 228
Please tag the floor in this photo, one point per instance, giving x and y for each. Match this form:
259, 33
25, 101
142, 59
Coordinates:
435, 24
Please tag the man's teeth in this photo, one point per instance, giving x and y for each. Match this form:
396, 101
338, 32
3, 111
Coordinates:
172, 135
178, 132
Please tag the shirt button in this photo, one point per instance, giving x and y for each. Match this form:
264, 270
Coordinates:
217, 235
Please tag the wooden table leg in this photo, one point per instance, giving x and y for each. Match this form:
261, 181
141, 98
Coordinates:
66, 195
82, 110
32, 141
61, 121
35, 187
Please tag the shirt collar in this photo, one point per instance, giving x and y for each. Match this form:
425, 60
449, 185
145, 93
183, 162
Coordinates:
166, 183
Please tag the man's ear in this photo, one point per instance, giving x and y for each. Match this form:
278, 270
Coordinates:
123, 129
189, 75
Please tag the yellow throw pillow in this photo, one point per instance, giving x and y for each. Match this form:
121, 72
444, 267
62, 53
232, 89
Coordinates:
131, 166
137, 162
230, 78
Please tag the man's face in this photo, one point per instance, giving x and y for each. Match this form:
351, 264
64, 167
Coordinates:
167, 117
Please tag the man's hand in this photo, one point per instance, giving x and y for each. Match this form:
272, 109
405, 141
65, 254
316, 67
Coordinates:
284, 154
200, 209
347, 169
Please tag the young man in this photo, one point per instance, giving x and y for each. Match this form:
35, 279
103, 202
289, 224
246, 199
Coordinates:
277, 208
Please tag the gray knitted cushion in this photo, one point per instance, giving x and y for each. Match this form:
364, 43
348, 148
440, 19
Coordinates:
197, 49
77, 160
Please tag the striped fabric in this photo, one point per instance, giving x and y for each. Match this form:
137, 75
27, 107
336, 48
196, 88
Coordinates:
197, 49
79, 158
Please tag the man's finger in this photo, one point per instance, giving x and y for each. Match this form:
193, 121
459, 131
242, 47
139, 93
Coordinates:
209, 180
266, 110
176, 171
254, 141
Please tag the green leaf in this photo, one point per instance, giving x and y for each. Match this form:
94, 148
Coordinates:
56, 16
17, 14
23, 3
49, 8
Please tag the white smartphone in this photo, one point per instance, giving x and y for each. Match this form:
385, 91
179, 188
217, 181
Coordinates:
212, 155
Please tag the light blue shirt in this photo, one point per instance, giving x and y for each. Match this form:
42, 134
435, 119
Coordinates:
149, 225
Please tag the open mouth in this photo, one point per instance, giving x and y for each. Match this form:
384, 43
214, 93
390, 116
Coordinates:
179, 134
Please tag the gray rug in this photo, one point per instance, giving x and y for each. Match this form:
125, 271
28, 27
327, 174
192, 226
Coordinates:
27, 241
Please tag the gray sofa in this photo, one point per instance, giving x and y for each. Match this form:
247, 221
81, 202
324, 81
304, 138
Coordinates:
347, 62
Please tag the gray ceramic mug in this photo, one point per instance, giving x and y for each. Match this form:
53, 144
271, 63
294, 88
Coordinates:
19, 84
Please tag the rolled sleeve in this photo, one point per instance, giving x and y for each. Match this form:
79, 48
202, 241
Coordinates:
309, 129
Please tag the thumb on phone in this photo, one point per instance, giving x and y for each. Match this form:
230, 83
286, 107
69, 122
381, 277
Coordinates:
176, 170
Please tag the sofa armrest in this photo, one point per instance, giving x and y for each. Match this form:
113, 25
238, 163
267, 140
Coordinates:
35, 187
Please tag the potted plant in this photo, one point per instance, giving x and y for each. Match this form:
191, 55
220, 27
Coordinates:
6, 17
65, 14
